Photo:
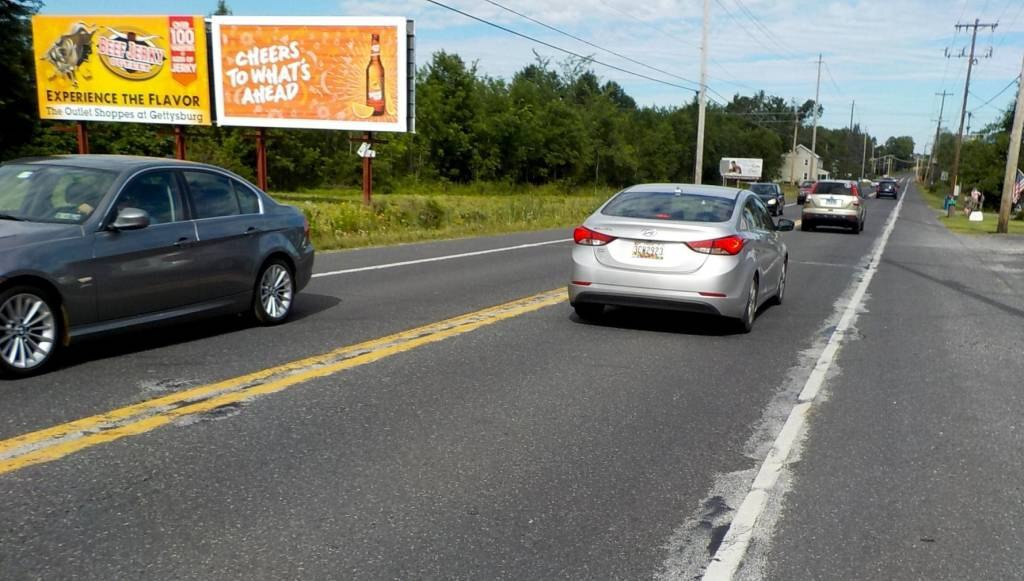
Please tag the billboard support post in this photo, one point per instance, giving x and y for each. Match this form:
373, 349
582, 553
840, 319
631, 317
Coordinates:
83, 138
367, 171
261, 158
179, 142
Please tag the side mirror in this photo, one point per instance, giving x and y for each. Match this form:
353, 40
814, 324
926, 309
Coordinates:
130, 219
784, 225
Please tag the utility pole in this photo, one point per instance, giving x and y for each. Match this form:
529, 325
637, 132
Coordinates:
967, 86
864, 155
698, 170
792, 158
1012, 157
935, 145
814, 131
968, 133
852, 105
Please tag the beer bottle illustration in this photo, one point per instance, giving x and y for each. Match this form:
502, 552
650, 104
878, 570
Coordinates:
375, 79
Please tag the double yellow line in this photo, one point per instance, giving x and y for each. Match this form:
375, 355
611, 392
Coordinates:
58, 441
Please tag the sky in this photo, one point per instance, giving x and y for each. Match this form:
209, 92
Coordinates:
886, 58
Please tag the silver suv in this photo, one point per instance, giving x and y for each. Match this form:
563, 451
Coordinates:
834, 203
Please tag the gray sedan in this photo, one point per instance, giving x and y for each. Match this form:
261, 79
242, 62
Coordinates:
684, 247
94, 244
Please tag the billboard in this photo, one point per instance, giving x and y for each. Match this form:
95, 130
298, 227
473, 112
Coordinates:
315, 73
740, 168
135, 69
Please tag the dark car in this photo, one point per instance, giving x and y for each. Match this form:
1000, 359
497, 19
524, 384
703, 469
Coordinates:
772, 196
887, 189
805, 188
91, 244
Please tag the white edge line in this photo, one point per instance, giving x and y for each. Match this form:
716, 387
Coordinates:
733, 549
439, 258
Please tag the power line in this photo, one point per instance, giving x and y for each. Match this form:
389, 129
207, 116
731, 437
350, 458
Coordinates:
731, 80
760, 25
560, 49
833, 79
729, 14
997, 95
588, 43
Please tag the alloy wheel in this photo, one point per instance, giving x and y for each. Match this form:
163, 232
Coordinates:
29, 331
276, 291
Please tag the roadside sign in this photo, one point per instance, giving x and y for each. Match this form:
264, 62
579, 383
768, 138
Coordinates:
133, 69
740, 168
312, 72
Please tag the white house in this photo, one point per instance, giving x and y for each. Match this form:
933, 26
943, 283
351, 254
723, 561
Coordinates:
796, 166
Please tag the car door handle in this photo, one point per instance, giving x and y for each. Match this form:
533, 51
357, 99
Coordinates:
183, 241
251, 230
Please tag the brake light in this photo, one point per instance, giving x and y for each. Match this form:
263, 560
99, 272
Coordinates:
730, 245
587, 237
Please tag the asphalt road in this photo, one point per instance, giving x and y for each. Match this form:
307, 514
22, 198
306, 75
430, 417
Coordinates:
531, 446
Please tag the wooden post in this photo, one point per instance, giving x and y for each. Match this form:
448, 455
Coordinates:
1012, 157
179, 142
367, 171
261, 158
83, 138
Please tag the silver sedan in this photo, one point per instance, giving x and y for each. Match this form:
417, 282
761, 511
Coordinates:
682, 247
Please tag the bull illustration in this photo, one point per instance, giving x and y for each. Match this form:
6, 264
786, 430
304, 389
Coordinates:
70, 52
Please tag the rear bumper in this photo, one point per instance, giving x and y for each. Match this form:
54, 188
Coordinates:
304, 267
619, 298
678, 292
824, 216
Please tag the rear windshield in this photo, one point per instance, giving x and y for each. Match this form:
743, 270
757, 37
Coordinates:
834, 188
762, 188
806, 184
681, 207
887, 186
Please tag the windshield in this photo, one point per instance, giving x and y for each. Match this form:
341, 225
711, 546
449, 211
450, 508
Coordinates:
47, 193
762, 189
670, 206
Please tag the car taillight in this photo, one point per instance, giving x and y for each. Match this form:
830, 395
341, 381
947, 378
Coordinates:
856, 200
730, 245
587, 237
305, 227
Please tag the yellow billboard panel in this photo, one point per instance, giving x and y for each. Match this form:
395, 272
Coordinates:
135, 69
319, 73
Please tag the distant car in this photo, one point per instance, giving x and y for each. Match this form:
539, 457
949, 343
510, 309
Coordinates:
834, 203
92, 244
805, 188
772, 196
684, 247
887, 189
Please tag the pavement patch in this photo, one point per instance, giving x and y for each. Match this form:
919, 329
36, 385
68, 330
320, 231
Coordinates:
217, 400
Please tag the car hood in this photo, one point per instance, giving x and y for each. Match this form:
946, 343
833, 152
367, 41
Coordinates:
19, 234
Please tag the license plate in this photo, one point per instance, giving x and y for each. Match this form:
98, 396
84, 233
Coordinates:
649, 250
832, 202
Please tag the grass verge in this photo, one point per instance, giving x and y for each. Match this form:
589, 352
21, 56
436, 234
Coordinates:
959, 223
341, 220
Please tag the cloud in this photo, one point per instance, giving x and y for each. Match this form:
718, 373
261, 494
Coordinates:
886, 55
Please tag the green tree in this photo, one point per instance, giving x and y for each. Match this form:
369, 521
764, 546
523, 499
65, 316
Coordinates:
18, 106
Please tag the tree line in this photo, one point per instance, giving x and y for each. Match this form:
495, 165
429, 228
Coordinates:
550, 123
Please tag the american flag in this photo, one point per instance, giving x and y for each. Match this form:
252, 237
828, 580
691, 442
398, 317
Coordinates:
1018, 187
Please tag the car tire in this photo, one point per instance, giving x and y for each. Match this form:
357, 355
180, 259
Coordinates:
746, 321
805, 226
32, 324
588, 311
274, 294
780, 293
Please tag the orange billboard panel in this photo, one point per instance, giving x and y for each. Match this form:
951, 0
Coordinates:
136, 69
319, 73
